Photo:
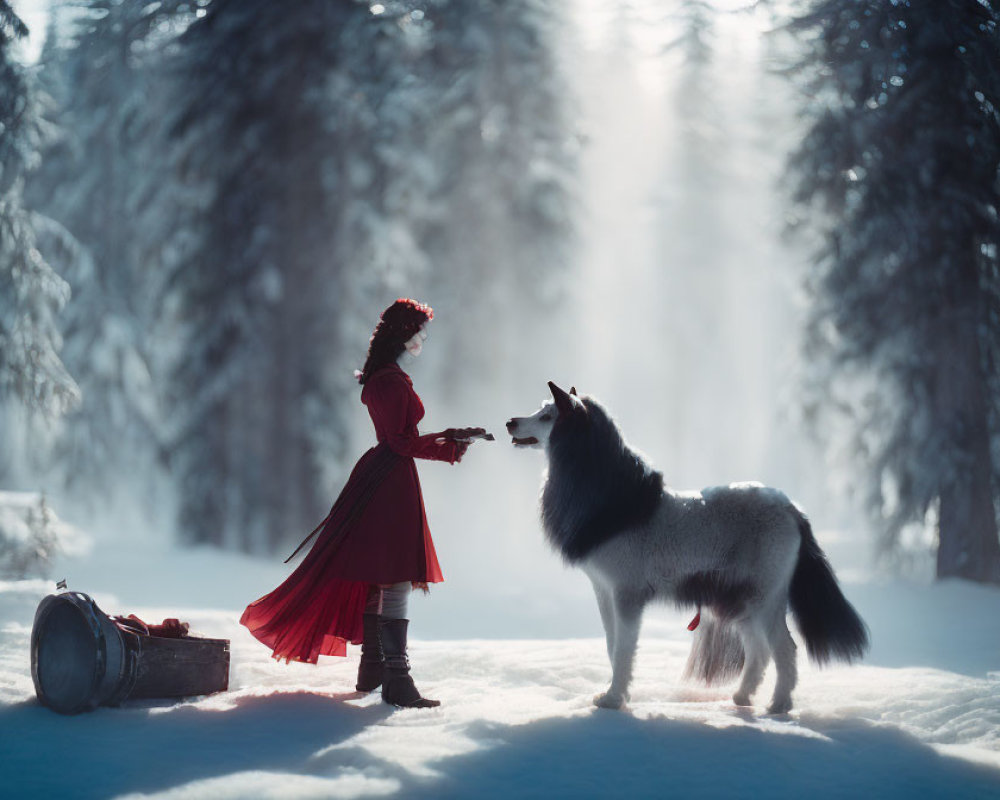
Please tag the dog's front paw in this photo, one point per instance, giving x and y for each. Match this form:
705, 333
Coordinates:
780, 706
609, 700
742, 699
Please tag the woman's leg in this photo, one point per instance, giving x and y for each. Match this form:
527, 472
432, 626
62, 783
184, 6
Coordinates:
395, 600
370, 668
398, 687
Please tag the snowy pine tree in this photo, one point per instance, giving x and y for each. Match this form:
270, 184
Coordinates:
256, 286
346, 154
460, 171
903, 157
31, 292
102, 76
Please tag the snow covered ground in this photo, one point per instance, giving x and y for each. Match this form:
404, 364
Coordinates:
920, 718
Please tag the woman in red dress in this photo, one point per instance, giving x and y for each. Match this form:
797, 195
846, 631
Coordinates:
375, 544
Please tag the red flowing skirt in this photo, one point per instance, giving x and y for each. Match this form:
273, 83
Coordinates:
376, 533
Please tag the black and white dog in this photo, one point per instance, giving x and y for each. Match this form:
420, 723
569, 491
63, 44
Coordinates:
741, 554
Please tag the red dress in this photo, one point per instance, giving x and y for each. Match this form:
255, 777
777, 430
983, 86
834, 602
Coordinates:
376, 533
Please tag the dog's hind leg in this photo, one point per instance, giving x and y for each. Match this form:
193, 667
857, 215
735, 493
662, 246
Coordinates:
605, 603
758, 653
783, 649
627, 620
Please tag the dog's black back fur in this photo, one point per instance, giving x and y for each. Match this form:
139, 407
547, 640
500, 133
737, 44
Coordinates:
597, 487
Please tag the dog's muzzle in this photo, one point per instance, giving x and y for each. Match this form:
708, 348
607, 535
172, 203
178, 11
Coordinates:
512, 426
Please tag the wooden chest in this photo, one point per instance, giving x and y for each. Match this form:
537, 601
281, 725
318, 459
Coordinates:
80, 658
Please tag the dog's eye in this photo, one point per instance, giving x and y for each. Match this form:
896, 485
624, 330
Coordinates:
545, 417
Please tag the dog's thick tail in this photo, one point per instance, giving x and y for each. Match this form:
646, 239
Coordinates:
716, 654
828, 623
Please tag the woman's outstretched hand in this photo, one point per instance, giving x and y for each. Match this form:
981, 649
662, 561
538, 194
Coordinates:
466, 434
463, 438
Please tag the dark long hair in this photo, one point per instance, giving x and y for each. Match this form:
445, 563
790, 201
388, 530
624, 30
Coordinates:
395, 328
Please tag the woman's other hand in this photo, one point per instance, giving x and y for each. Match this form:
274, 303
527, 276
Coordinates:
459, 434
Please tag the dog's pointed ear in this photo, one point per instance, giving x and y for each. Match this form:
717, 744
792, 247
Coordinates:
572, 391
563, 403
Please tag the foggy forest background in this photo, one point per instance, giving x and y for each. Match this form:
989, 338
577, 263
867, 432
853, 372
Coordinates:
765, 234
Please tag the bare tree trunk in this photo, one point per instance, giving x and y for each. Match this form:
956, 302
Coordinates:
968, 546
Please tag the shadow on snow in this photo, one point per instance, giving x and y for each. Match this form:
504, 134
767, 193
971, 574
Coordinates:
114, 751
610, 754
599, 754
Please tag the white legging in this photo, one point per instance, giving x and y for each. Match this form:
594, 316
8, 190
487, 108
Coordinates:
389, 601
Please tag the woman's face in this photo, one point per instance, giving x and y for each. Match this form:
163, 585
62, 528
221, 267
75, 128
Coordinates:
416, 342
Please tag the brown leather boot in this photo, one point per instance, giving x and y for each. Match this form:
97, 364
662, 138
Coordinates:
397, 685
371, 667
